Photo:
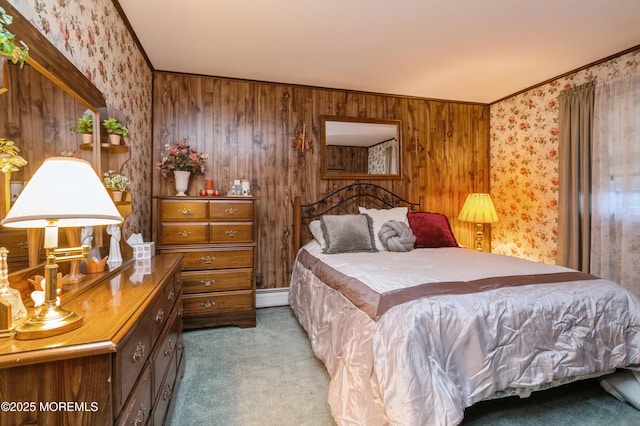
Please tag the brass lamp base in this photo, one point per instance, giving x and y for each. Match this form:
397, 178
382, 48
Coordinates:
51, 321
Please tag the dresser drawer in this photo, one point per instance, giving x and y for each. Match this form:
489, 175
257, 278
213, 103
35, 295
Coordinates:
231, 211
217, 303
138, 407
163, 354
178, 210
183, 233
131, 358
229, 232
14, 240
217, 259
163, 398
219, 280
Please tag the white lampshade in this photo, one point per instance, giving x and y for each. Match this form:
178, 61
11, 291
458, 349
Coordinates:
66, 191
478, 208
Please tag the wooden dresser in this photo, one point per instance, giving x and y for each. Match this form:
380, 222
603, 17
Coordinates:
120, 367
216, 236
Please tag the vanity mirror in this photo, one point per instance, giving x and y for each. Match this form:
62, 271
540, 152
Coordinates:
41, 102
360, 148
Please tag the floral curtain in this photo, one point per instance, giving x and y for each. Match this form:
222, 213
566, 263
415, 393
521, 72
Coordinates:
615, 229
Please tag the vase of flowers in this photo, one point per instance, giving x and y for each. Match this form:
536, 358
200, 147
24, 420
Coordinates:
117, 183
182, 161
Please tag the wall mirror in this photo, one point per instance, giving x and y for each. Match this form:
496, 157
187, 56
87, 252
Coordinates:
360, 148
41, 102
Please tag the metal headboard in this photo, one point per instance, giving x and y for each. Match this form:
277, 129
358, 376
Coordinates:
345, 200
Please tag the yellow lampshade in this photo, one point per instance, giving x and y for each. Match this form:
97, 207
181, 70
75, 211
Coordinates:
66, 191
478, 208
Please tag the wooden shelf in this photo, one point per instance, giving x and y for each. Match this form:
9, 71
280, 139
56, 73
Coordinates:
124, 208
117, 149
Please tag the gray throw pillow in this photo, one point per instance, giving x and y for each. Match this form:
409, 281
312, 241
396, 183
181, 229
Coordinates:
348, 233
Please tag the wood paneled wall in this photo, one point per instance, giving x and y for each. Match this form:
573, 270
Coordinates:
247, 129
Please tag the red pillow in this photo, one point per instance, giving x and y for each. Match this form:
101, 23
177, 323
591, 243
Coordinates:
431, 230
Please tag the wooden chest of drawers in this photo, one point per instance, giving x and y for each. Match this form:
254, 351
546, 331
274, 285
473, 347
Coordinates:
216, 237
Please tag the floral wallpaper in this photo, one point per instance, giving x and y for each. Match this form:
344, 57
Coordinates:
92, 36
524, 163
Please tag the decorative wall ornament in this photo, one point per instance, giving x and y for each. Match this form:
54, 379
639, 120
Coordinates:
302, 142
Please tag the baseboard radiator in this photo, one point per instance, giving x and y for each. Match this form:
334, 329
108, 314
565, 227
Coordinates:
270, 297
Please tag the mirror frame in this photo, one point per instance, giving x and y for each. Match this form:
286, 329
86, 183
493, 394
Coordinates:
360, 120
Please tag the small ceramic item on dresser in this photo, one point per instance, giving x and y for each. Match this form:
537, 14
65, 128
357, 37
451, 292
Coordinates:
235, 188
246, 187
203, 192
217, 193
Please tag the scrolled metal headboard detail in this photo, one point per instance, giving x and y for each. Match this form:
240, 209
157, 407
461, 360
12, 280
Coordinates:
345, 200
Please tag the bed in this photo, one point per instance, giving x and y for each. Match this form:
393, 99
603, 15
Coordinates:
414, 337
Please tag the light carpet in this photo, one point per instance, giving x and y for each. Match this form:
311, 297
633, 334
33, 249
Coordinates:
269, 376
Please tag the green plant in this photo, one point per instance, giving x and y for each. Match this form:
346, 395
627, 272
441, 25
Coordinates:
8, 48
115, 181
84, 125
115, 127
10, 158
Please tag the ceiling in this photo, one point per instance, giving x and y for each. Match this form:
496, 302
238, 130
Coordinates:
465, 50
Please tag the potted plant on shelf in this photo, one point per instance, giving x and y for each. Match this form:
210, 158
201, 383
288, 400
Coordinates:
115, 129
181, 160
84, 126
10, 160
117, 183
8, 48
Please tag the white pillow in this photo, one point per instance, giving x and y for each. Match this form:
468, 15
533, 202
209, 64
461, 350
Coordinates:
316, 230
381, 216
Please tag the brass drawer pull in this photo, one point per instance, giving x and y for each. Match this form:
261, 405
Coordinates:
207, 304
184, 211
138, 354
231, 211
139, 420
159, 315
207, 259
184, 234
180, 312
23, 245
231, 232
168, 350
170, 296
167, 392
207, 283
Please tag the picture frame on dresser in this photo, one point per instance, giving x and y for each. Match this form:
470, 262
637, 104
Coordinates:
217, 238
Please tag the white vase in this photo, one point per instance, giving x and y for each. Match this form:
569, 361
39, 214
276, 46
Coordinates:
182, 181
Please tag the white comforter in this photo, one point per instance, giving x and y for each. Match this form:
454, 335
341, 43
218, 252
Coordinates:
423, 361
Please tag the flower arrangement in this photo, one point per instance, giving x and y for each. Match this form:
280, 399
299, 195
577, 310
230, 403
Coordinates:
115, 181
10, 159
181, 157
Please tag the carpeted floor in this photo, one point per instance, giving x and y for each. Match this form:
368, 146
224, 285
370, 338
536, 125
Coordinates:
268, 376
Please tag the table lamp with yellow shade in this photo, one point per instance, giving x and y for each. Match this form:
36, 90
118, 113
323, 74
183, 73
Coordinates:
478, 208
63, 192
